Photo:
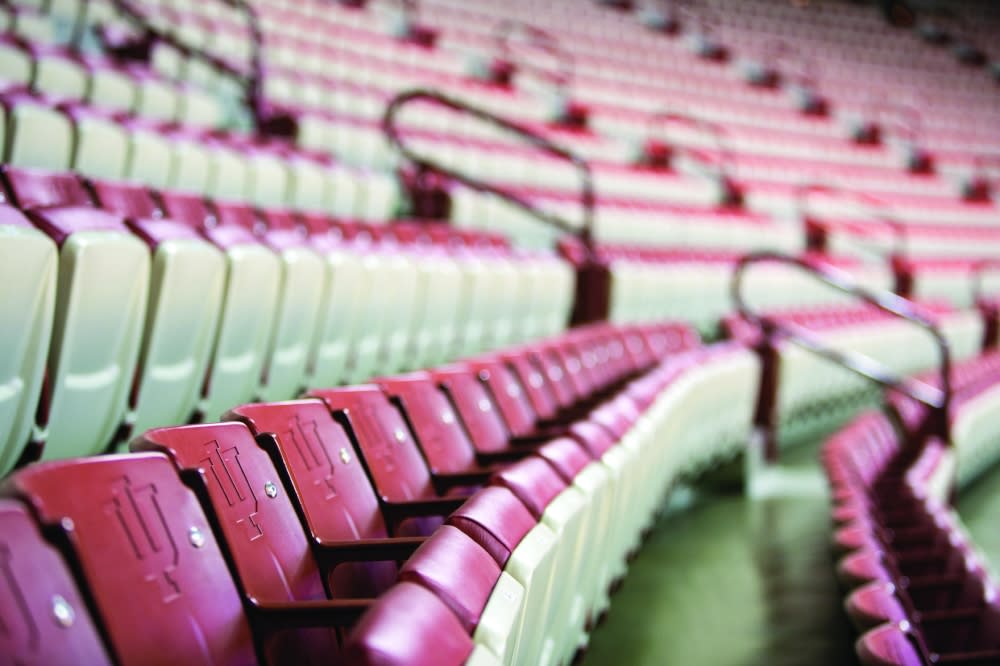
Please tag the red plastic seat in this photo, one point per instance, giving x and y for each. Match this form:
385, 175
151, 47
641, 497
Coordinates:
333, 494
38, 188
44, 617
401, 478
409, 626
148, 556
279, 575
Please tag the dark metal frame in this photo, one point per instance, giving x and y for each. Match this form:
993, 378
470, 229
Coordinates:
252, 81
584, 232
773, 330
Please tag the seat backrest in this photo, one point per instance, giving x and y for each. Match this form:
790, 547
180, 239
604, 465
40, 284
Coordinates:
456, 569
533, 380
248, 500
147, 553
326, 478
475, 406
555, 374
130, 200
533, 481
396, 466
566, 457
408, 626
39, 188
43, 615
433, 421
508, 394
496, 520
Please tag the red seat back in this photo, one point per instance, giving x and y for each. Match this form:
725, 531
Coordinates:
456, 569
143, 544
329, 483
408, 626
496, 520
508, 394
43, 616
37, 188
397, 469
250, 505
433, 421
475, 406
533, 481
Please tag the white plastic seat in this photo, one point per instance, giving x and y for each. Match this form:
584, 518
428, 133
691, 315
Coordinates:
28, 261
187, 280
102, 147
301, 289
345, 302
249, 304
15, 63
113, 89
151, 158
59, 76
37, 136
100, 309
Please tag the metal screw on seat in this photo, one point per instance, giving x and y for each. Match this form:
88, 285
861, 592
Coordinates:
196, 538
63, 612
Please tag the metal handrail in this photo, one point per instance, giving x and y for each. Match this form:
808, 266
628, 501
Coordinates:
876, 209
713, 129
938, 399
252, 81
584, 232
777, 50
541, 39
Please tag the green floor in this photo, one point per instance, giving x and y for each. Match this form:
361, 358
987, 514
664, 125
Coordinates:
734, 581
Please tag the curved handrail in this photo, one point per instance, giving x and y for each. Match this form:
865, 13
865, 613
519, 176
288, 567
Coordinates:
778, 50
938, 399
806, 190
251, 81
713, 129
538, 38
587, 197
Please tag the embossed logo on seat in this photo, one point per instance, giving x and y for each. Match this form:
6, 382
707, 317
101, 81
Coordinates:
138, 512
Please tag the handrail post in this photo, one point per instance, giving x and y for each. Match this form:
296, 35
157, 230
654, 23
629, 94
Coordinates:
988, 308
593, 283
766, 410
937, 399
267, 120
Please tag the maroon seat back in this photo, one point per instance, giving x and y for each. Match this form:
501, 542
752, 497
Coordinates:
38, 188
533, 380
43, 617
433, 421
567, 457
508, 394
258, 524
250, 505
155, 572
533, 481
496, 520
475, 406
397, 469
335, 497
408, 626
555, 374
130, 200
457, 570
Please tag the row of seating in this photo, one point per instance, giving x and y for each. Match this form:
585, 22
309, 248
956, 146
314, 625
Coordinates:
919, 591
533, 472
163, 306
814, 394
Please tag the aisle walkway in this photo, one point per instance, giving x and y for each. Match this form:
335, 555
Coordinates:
732, 581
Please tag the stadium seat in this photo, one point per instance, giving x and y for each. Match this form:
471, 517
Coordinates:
146, 561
